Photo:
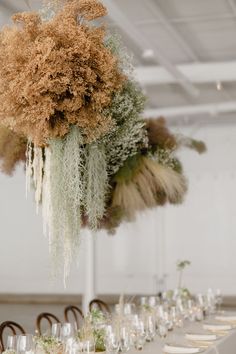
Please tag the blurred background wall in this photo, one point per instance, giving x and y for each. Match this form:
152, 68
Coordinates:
141, 257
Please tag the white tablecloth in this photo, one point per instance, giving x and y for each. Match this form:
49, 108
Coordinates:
225, 345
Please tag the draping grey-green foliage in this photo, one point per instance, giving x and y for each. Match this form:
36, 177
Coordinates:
75, 182
64, 191
96, 183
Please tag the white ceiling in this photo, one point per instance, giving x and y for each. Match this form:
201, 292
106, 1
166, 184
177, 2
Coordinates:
169, 38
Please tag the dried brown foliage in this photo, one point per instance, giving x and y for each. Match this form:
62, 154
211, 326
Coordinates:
57, 73
12, 150
159, 135
152, 185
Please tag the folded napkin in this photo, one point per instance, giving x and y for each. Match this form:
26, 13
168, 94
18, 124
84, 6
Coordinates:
217, 327
226, 318
201, 337
175, 349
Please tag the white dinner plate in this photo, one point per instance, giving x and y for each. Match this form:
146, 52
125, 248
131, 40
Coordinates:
181, 349
217, 327
202, 336
226, 318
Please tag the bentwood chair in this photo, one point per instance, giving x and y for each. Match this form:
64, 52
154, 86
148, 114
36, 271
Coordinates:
100, 305
49, 317
13, 327
75, 312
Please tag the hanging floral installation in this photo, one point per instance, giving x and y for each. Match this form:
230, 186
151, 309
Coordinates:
70, 106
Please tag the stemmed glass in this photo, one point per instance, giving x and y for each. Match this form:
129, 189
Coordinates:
11, 344
67, 331
138, 333
211, 302
72, 346
56, 331
150, 328
163, 330
88, 346
124, 345
111, 343
167, 319
25, 344
218, 299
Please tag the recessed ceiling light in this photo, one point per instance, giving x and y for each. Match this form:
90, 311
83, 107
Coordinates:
219, 86
148, 54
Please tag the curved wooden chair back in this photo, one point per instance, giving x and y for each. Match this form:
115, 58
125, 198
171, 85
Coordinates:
13, 327
99, 304
49, 317
74, 311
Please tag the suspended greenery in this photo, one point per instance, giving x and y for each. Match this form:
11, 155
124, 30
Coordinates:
70, 104
96, 183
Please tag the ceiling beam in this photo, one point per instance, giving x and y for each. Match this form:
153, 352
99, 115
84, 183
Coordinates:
232, 6
196, 73
178, 38
144, 42
212, 109
188, 19
9, 7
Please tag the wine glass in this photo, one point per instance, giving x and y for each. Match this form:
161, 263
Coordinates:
150, 328
25, 344
67, 331
111, 342
137, 332
211, 301
201, 302
143, 300
56, 330
163, 331
139, 340
168, 321
89, 346
153, 301
124, 340
72, 346
11, 344
218, 299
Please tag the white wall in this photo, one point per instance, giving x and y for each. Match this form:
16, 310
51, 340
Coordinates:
203, 229
142, 254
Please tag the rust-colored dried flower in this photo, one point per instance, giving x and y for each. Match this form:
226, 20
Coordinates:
57, 73
12, 149
159, 135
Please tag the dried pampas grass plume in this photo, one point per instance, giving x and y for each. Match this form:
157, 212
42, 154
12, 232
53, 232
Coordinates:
12, 150
152, 185
173, 184
128, 198
190, 143
159, 135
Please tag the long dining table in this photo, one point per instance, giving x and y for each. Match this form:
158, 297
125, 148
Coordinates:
226, 344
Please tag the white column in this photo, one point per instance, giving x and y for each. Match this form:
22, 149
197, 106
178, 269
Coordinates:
90, 274
161, 250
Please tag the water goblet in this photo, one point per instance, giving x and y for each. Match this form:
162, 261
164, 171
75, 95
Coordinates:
89, 346
124, 345
111, 343
56, 330
25, 344
11, 344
